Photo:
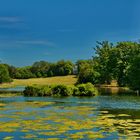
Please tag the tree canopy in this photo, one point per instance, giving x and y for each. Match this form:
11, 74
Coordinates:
118, 62
4, 74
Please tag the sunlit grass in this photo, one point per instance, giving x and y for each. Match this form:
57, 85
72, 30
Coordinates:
66, 80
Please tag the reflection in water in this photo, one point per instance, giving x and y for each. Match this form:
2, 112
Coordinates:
101, 117
16, 89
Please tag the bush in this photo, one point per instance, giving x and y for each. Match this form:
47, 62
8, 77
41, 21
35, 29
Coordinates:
37, 91
4, 74
85, 90
61, 90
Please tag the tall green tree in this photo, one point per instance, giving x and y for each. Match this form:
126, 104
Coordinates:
133, 75
126, 52
4, 74
104, 57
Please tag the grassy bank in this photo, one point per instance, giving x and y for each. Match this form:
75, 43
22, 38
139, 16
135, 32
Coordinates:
66, 80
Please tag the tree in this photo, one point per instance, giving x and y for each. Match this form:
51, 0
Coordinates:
63, 68
87, 73
126, 52
40, 69
81, 63
4, 74
104, 57
134, 74
12, 71
24, 73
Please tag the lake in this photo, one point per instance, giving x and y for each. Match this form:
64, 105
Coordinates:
101, 117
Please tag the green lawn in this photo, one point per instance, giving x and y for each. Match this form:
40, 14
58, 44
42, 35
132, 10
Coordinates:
66, 80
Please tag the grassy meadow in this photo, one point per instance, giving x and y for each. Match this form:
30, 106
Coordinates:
66, 80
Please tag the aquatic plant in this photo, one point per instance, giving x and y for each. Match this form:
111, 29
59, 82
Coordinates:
46, 120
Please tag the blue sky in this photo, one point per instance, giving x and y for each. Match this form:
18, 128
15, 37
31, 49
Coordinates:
33, 30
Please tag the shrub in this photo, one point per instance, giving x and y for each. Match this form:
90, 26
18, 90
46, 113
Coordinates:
4, 74
85, 90
37, 91
30, 91
61, 90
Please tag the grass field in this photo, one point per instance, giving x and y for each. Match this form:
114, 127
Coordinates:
67, 80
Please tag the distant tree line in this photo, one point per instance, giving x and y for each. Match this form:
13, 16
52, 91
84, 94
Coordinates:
37, 70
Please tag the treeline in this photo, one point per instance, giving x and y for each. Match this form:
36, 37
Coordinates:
120, 62
37, 70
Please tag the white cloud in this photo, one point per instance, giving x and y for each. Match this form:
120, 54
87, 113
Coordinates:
9, 19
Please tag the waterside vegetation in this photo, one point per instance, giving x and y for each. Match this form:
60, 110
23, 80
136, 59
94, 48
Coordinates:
61, 90
118, 62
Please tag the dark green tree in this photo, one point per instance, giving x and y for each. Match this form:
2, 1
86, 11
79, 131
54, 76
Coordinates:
126, 52
87, 73
24, 73
63, 68
4, 74
133, 75
105, 61
40, 69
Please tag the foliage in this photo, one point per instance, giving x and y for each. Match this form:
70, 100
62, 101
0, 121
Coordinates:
41, 69
85, 90
104, 52
81, 63
88, 74
61, 90
24, 73
4, 74
134, 74
126, 52
37, 91
63, 68
110, 62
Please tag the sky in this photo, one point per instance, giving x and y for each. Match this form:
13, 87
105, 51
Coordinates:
51, 30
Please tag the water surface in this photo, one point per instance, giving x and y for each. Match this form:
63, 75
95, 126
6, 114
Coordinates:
100, 117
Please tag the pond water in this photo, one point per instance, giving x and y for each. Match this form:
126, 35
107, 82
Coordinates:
100, 117
17, 88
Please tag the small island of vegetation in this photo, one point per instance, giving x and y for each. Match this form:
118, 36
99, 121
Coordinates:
61, 90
